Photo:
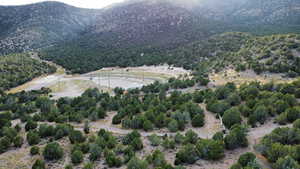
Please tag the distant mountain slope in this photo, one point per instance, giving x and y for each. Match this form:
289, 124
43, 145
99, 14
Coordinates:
139, 32
157, 23
39, 25
256, 16
131, 35
252, 11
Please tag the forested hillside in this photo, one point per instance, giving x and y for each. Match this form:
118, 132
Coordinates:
16, 69
272, 53
138, 32
174, 32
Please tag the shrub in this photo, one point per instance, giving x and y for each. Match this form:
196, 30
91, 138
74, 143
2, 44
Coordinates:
187, 155
245, 110
179, 138
34, 150
136, 163
210, 149
236, 166
137, 144
5, 119
286, 163
10, 133
112, 160
296, 124
85, 148
95, 152
4, 144
76, 137
191, 137
76, 157
130, 136
39, 164
53, 151
222, 92
168, 143
231, 117
277, 151
282, 119
147, 125
117, 119
88, 166
236, 138
234, 99
198, 97
198, 120
128, 153
62, 130
154, 140
293, 114
33, 138
157, 158
160, 121
281, 106
246, 158
18, 141
46, 131
218, 107
218, 136
173, 126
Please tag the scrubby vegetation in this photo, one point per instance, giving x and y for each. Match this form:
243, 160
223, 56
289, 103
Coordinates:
282, 147
16, 69
247, 160
272, 53
48, 126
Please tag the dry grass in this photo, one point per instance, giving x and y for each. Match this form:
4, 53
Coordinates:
230, 75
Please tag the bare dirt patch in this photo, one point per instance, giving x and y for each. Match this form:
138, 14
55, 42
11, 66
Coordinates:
64, 85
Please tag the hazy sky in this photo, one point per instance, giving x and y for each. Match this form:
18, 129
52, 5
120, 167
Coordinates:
78, 3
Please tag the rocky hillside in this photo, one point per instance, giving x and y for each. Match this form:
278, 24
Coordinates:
39, 25
256, 16
130, 34
252, 12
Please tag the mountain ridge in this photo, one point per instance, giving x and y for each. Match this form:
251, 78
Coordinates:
120, 34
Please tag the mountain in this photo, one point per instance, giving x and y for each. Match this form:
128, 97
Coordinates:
38, 25
149, 23
252, 12
136, 32
130, 34
257, 16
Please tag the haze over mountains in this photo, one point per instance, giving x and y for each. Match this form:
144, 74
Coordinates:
135, 27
